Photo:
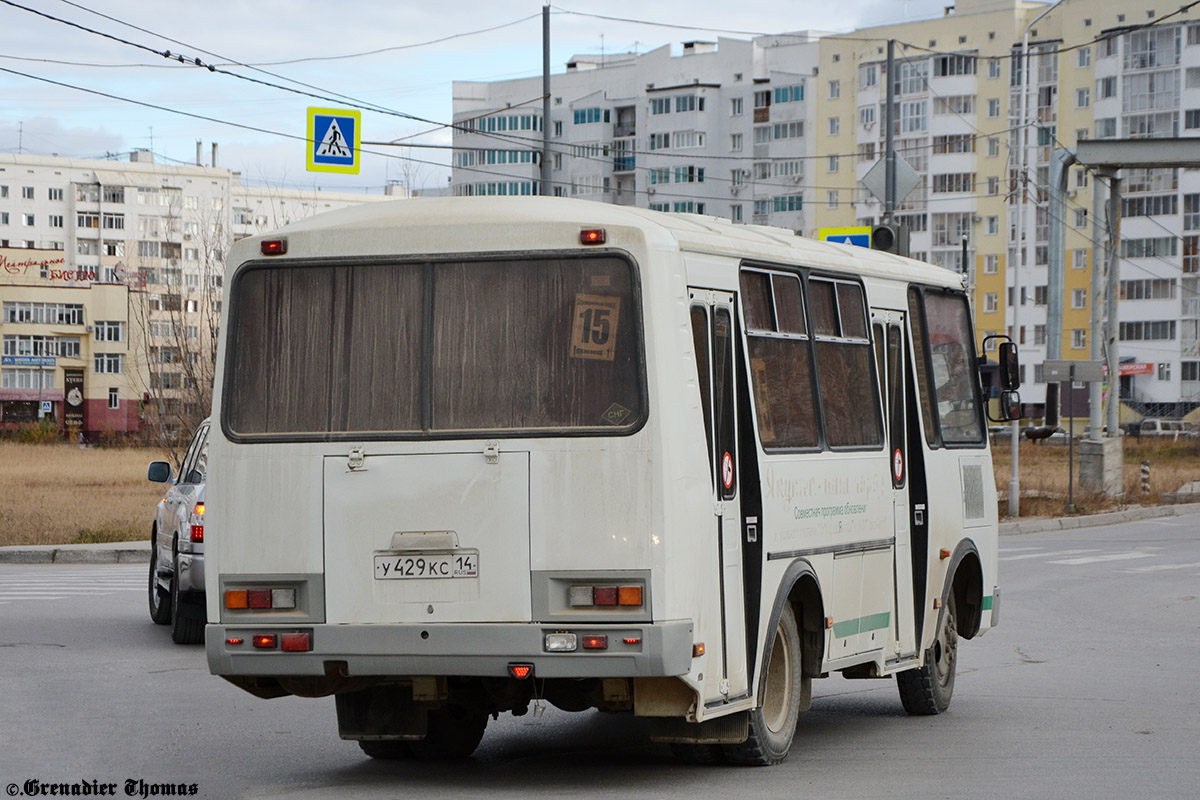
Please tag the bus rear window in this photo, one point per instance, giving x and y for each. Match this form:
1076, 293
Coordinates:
436, 348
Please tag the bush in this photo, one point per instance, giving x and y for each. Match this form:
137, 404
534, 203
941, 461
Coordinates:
44, 431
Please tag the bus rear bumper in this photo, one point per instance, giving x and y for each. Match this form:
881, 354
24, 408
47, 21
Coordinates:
465, 649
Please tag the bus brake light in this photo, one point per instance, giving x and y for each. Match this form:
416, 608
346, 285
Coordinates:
592, 236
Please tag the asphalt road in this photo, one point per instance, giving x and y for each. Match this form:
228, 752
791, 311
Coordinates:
1089, 688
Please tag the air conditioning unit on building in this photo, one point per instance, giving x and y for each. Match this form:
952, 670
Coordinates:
90, 328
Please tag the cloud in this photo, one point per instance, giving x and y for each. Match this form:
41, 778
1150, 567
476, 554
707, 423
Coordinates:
45, 135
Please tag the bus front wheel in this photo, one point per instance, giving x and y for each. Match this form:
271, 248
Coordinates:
927, 690
773, 723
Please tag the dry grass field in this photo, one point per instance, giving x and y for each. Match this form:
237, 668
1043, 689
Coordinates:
60, 494
1043, 475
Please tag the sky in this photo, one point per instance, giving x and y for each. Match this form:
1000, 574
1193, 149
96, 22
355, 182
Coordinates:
426, 47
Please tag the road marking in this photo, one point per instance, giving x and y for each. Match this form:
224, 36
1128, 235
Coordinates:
1161, 567
1095, 559
1017, 549
1050, 555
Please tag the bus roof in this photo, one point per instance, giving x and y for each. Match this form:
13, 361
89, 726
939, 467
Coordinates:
688, 232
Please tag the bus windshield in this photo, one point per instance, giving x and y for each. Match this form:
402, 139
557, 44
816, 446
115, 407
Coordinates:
414, 349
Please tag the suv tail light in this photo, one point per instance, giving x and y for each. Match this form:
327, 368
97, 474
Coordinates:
197, 523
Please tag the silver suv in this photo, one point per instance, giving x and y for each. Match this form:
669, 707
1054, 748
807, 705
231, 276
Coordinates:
1171, 428
177, 544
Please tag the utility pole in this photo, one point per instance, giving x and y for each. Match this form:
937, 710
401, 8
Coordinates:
544, 189
889, 193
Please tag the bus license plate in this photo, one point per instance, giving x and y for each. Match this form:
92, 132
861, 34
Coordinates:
403, 566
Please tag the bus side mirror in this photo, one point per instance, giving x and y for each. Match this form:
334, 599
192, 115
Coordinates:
1010, 407
158, 472
1010, 367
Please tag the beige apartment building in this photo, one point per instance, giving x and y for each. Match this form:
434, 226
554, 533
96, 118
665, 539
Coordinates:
110, 284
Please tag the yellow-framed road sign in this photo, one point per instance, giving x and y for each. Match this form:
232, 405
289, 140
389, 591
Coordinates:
334, 140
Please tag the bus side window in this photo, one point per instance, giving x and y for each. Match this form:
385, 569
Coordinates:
700, 345
780, 361
848, 394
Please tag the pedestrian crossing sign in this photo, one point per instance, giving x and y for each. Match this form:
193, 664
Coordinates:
334, 140
859, 236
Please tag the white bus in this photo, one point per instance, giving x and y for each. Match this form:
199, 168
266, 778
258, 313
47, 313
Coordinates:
471, 454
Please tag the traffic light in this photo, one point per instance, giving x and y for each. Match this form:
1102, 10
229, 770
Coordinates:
890, 238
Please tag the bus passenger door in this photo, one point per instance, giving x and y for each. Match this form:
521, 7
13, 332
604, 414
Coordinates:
712, 318
890, 350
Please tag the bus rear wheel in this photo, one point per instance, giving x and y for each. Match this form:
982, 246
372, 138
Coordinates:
927, 690
773, 723
452, 732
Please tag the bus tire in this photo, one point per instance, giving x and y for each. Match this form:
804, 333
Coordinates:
773, 723
452, 732
927, 690
386, 749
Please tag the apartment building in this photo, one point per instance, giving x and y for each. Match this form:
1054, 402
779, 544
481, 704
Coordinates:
791, 124
110, 283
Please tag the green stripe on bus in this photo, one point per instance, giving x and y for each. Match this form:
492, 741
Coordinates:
872, 622
987, 603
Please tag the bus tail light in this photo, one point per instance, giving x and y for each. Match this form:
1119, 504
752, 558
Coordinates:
295, 642
595, 642
264, 641
592, 596
592, 236
260, 599
273, 247
520, 671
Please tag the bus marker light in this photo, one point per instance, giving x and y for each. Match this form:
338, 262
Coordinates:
937, 602
561, 643
605, 595
697, 649
580, 596
632, 640
264, 641
234, 640
828, 623
592, 236
295, 642
944, 553
520, 671
595, 642
273, 247
236, 598
629, 596
283, 598
258, 598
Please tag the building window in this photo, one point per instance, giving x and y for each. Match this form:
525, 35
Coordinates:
993, 68
991, 264
990, 303
54, 194
1078, 298
993, 147
831, 199
993, 108
1079, 338
56, 220
1079, 258
109, 363
1082, 98
114, 398
27, 220
558, 128
1164, 371
993, 226
735, 142
835, 124
1080, 217
835, 90
1039, 334
833, 164
735, 107
26, 192
735, 212
1083, 57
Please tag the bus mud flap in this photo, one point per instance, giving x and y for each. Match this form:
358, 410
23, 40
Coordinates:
730, 729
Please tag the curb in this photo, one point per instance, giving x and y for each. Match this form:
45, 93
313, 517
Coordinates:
1093, 520
107, 553
139, 552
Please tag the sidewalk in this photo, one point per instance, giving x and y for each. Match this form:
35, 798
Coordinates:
139, 552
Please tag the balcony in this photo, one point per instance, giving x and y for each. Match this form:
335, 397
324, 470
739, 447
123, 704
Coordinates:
762, 115
623, 129
624, 163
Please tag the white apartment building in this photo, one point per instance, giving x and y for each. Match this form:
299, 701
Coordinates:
786, 126
110, 274
723, 129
